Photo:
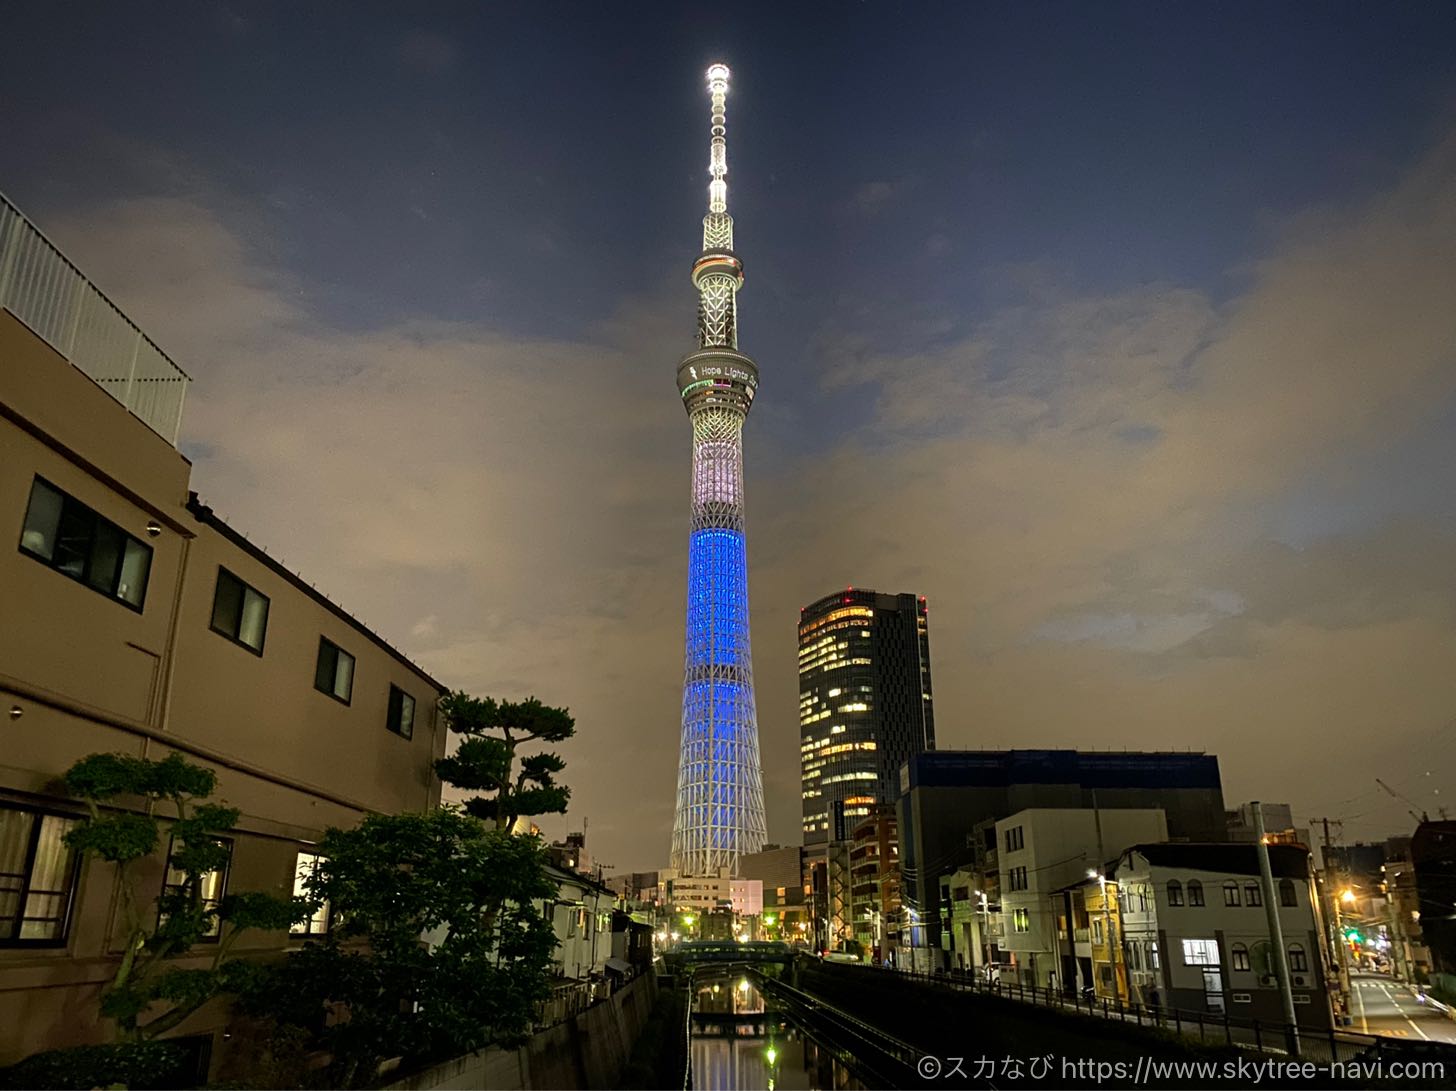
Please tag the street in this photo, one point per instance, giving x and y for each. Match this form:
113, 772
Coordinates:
1385, 1006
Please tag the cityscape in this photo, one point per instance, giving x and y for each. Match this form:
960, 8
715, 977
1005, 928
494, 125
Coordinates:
378, 716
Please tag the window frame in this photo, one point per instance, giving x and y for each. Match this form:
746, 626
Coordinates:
246, 588
304, 930
26, 877
1174, 892
1298, 959
1231, 898
222, 889
1203, 946
389, 715
1195, 894
1253, 896
325, 642
96, 520
1239, 958
1288, 897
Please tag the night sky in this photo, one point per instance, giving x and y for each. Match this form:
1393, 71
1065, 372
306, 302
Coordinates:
1124, 333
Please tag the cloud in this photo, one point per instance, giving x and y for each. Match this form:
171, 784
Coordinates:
428, 52
869, 198
1086, 486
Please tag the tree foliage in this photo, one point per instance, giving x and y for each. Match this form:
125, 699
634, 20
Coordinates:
149, 995
437, 949
485, 760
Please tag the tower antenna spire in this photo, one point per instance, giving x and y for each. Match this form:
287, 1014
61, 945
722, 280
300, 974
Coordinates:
718, 152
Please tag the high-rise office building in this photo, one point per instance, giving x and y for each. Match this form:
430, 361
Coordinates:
720, 780
864, 704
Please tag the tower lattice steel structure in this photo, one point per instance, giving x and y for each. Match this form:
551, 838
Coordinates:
720, 777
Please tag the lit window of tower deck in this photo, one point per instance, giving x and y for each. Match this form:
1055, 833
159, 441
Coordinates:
720, 778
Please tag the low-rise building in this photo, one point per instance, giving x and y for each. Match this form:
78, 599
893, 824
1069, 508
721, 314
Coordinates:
137, 621
1041, 851
1189, 930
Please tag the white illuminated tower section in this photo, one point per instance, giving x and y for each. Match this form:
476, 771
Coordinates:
720, 778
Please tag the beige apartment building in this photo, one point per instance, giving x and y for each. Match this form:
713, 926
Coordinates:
134, 620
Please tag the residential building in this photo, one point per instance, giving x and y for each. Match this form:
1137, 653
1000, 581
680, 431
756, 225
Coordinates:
1408, 950
1189, 930
1041, 852
947, 794
139, 622
874, 875
865, 703
1433, 858
581, 916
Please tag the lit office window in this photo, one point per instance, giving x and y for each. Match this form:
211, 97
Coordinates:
66, 535
334, 674
37, 876
239, 612
401, 713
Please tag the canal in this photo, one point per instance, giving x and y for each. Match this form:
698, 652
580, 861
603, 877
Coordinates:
742, 1039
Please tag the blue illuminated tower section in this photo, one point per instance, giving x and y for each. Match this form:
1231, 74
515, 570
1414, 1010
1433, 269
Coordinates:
720, 777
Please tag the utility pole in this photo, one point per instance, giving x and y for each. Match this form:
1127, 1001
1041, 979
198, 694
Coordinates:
1342, 965
1276, 931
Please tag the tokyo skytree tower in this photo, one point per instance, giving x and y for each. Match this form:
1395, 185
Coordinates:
720, 778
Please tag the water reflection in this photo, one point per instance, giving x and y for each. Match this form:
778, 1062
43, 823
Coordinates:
740, 1042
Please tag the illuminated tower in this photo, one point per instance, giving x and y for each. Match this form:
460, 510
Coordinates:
720, 779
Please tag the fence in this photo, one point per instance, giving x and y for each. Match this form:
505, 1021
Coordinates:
39, 286
1310, 1043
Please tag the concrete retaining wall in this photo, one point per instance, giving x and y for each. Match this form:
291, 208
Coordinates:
587, 1050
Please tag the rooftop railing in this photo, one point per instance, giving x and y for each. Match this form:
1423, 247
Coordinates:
39, 286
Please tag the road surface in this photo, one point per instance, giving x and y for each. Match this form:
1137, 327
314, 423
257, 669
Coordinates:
1383, 1005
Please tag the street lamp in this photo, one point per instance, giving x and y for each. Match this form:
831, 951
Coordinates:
985, 911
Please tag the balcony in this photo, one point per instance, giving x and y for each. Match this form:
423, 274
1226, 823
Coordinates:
69, 313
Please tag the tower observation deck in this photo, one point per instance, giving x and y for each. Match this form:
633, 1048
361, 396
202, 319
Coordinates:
720, 812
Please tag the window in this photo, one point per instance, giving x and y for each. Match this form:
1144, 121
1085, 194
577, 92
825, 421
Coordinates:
1298, 964
1096, 929
1153, 954
1240, 955
334, 674
239, 612
37, 875
1014, 839
1286, 893
210, 887
66, 535
1016, 878
1231, 894
1195, 892
1020, 920
1175, 892
401, 713
1200, 952
1253, 896
320, 922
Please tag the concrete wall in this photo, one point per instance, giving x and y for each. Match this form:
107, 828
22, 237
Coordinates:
587, 1050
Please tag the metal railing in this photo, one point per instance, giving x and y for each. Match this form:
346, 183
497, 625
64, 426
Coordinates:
40, 286
1319, 1044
